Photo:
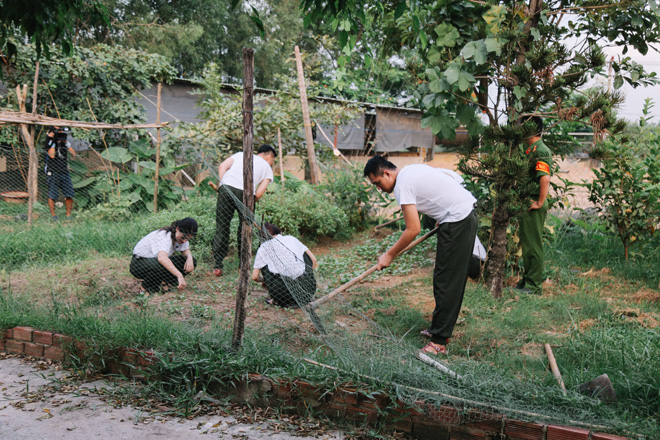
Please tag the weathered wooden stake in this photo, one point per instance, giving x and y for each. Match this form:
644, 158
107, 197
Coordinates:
158, 139
309, 138
248, 197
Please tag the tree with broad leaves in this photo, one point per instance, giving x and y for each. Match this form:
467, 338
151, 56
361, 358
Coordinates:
500, 61
45, 22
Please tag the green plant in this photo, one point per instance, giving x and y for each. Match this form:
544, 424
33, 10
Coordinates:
304, 212
353, 194
626, 191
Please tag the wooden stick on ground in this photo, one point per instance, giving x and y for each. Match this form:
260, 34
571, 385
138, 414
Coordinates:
315, 304
554, 367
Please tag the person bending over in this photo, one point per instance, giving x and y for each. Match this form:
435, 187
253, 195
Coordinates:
230, 197
422, 189
288, 269
153, 260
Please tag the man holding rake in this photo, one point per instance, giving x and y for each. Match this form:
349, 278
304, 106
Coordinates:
421, 189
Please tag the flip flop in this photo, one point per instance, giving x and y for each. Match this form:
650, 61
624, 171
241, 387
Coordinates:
426, 334
434, 349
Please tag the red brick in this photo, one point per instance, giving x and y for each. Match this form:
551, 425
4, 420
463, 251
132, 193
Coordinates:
23, 333
9, 333
45, 338
55, 353
603, 436
147, 358
14, 346
61, 340
524, 431
429, 429
556, 432
2, 345
33, 349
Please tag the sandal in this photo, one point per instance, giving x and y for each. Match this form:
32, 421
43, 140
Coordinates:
217, 272
434, 349
426, 334
271, 302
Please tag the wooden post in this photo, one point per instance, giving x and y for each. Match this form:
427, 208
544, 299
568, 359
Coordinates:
311, 156
28, 137
248, 197
158, 139
279, 143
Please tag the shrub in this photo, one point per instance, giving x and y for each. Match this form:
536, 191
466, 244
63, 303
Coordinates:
303, 211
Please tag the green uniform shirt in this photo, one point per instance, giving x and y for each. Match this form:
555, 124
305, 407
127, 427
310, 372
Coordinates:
540, 162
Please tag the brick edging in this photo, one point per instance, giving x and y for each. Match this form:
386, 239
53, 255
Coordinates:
427, 422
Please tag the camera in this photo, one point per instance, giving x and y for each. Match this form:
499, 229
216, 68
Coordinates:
60, 133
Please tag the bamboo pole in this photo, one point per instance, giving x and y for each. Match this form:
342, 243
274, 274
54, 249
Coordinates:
334, 149
248, 196
315, 304
23, 117
309, 138
33, 162
21, 95
158, 140
554, 368
279, 144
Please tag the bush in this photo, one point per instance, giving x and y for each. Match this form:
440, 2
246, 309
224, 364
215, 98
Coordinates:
303, 211
353, 195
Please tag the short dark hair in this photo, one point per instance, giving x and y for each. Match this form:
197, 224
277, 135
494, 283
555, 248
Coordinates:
266, 148
272, 229
376, 165
538, 122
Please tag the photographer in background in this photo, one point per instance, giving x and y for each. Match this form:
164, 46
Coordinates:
57, 168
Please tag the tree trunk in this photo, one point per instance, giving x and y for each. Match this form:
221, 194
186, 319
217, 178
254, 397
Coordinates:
498, 249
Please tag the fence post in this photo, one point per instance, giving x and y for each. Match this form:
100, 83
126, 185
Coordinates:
311, 156
248, 198
156, 174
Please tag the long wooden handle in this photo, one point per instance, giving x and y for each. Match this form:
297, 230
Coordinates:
372, 269
553, 367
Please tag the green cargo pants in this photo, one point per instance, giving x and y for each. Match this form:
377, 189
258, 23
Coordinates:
531, 240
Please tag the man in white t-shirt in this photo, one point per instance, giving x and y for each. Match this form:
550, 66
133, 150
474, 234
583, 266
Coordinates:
230, 197
422, 189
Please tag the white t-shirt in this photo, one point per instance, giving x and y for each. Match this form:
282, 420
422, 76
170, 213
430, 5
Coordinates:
260, 170
157, 241
283, 254
434, 193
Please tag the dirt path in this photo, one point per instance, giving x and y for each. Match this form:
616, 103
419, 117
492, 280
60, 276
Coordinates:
32, 408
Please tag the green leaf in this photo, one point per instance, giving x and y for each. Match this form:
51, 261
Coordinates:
535, 33
452, 73
520, 92
465, 113
447, 35
116, 154
494, 45
84, 183
400, 9
432, 74
618, 81
476, 49
439, 85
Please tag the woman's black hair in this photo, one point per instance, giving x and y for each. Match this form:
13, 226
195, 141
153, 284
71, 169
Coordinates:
272, 229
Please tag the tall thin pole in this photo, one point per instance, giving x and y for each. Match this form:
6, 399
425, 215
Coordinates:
33, 167
158, 139
279, 144
248, 197
309, 138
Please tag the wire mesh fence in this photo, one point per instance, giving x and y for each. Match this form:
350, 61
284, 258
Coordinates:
194, 248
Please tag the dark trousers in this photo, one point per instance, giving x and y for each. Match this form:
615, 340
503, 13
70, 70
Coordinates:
452, 260
224, 212
287, 290
152, 273
531, 240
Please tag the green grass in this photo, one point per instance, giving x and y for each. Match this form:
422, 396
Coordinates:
497, 345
